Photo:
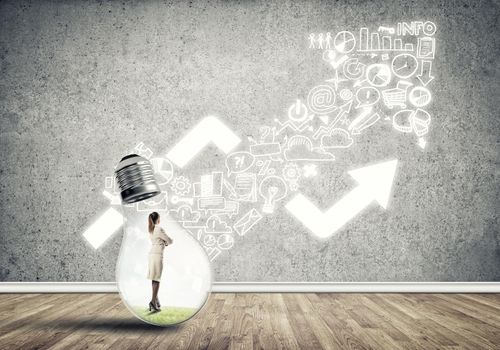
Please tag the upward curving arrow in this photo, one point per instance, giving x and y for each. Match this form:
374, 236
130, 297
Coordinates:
209, 129
374, 184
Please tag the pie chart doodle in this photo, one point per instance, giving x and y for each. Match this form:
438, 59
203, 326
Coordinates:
378, 74
344, 42
420, 96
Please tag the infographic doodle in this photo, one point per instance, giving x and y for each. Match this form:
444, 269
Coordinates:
377, 77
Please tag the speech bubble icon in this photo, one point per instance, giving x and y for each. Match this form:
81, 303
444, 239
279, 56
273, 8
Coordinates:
238, 162
367, 96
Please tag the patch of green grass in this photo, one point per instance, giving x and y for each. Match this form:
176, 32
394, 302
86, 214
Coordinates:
167, 316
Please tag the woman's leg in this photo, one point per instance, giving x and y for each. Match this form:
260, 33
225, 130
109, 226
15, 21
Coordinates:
156, 287
152, 291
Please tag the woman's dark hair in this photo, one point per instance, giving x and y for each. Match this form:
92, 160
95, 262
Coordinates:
152, 220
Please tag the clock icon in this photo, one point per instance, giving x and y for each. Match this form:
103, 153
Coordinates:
378, 74
404, 65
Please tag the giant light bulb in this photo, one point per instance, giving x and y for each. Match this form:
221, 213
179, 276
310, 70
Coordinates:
186, 277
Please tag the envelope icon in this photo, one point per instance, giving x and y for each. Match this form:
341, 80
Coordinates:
247, 222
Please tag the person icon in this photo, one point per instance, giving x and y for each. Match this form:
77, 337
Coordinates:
327, 40
311, 41
320, 41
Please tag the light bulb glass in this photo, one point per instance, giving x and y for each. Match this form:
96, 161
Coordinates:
186, 276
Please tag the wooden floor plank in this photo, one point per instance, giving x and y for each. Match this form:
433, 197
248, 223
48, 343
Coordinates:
257, 321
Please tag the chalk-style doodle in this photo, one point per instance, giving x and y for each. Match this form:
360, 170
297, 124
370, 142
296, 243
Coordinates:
344, 42
247, 221
342, 112
378, 74
245, 187
372, 42
407, 121
272, 189
321, 99
210, 185
330, 56
292, 173
212, 252
426, 47
401, 120
264, 167
298, 112
336, 80
142, 150
346, 94
396, 97
300, 148
367, 96
216, 225
425, 75
328, 38
320, 41
312, 41
420, 121
180, 185
209, 240
185, 214
231, 209
239, 162
353, 69
211, 203
419, 96
364, 120
404, 65
156, 203
109, 182
225, 241
176, 200
416, 28
163, 169
338, 138
389, 30
310, 170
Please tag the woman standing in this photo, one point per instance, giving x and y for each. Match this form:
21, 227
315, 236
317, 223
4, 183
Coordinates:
159, 241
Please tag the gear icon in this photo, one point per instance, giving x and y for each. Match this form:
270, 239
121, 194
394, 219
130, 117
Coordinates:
180, 185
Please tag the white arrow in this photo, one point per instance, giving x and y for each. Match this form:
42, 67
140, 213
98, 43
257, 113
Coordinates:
425, 76
374, 184
209, 129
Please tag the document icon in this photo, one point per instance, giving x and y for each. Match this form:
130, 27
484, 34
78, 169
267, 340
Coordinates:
247, 222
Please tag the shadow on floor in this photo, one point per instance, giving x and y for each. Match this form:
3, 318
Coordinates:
104, 324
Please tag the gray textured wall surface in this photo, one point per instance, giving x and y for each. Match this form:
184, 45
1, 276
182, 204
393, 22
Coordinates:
82, 83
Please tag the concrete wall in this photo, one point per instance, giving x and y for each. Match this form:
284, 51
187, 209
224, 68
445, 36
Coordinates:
82, 83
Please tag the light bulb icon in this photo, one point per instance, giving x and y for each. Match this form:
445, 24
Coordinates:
181, 267
272, 189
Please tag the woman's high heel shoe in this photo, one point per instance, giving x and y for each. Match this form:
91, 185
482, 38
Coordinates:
153, 306
158, 303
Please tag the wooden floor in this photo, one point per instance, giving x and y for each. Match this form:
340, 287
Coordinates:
268, 321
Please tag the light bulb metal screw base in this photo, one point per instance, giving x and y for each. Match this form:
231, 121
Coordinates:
135, 177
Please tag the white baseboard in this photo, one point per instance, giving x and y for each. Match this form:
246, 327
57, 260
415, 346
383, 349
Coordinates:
270, 287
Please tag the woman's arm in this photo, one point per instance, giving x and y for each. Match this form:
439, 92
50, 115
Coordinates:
164, 237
